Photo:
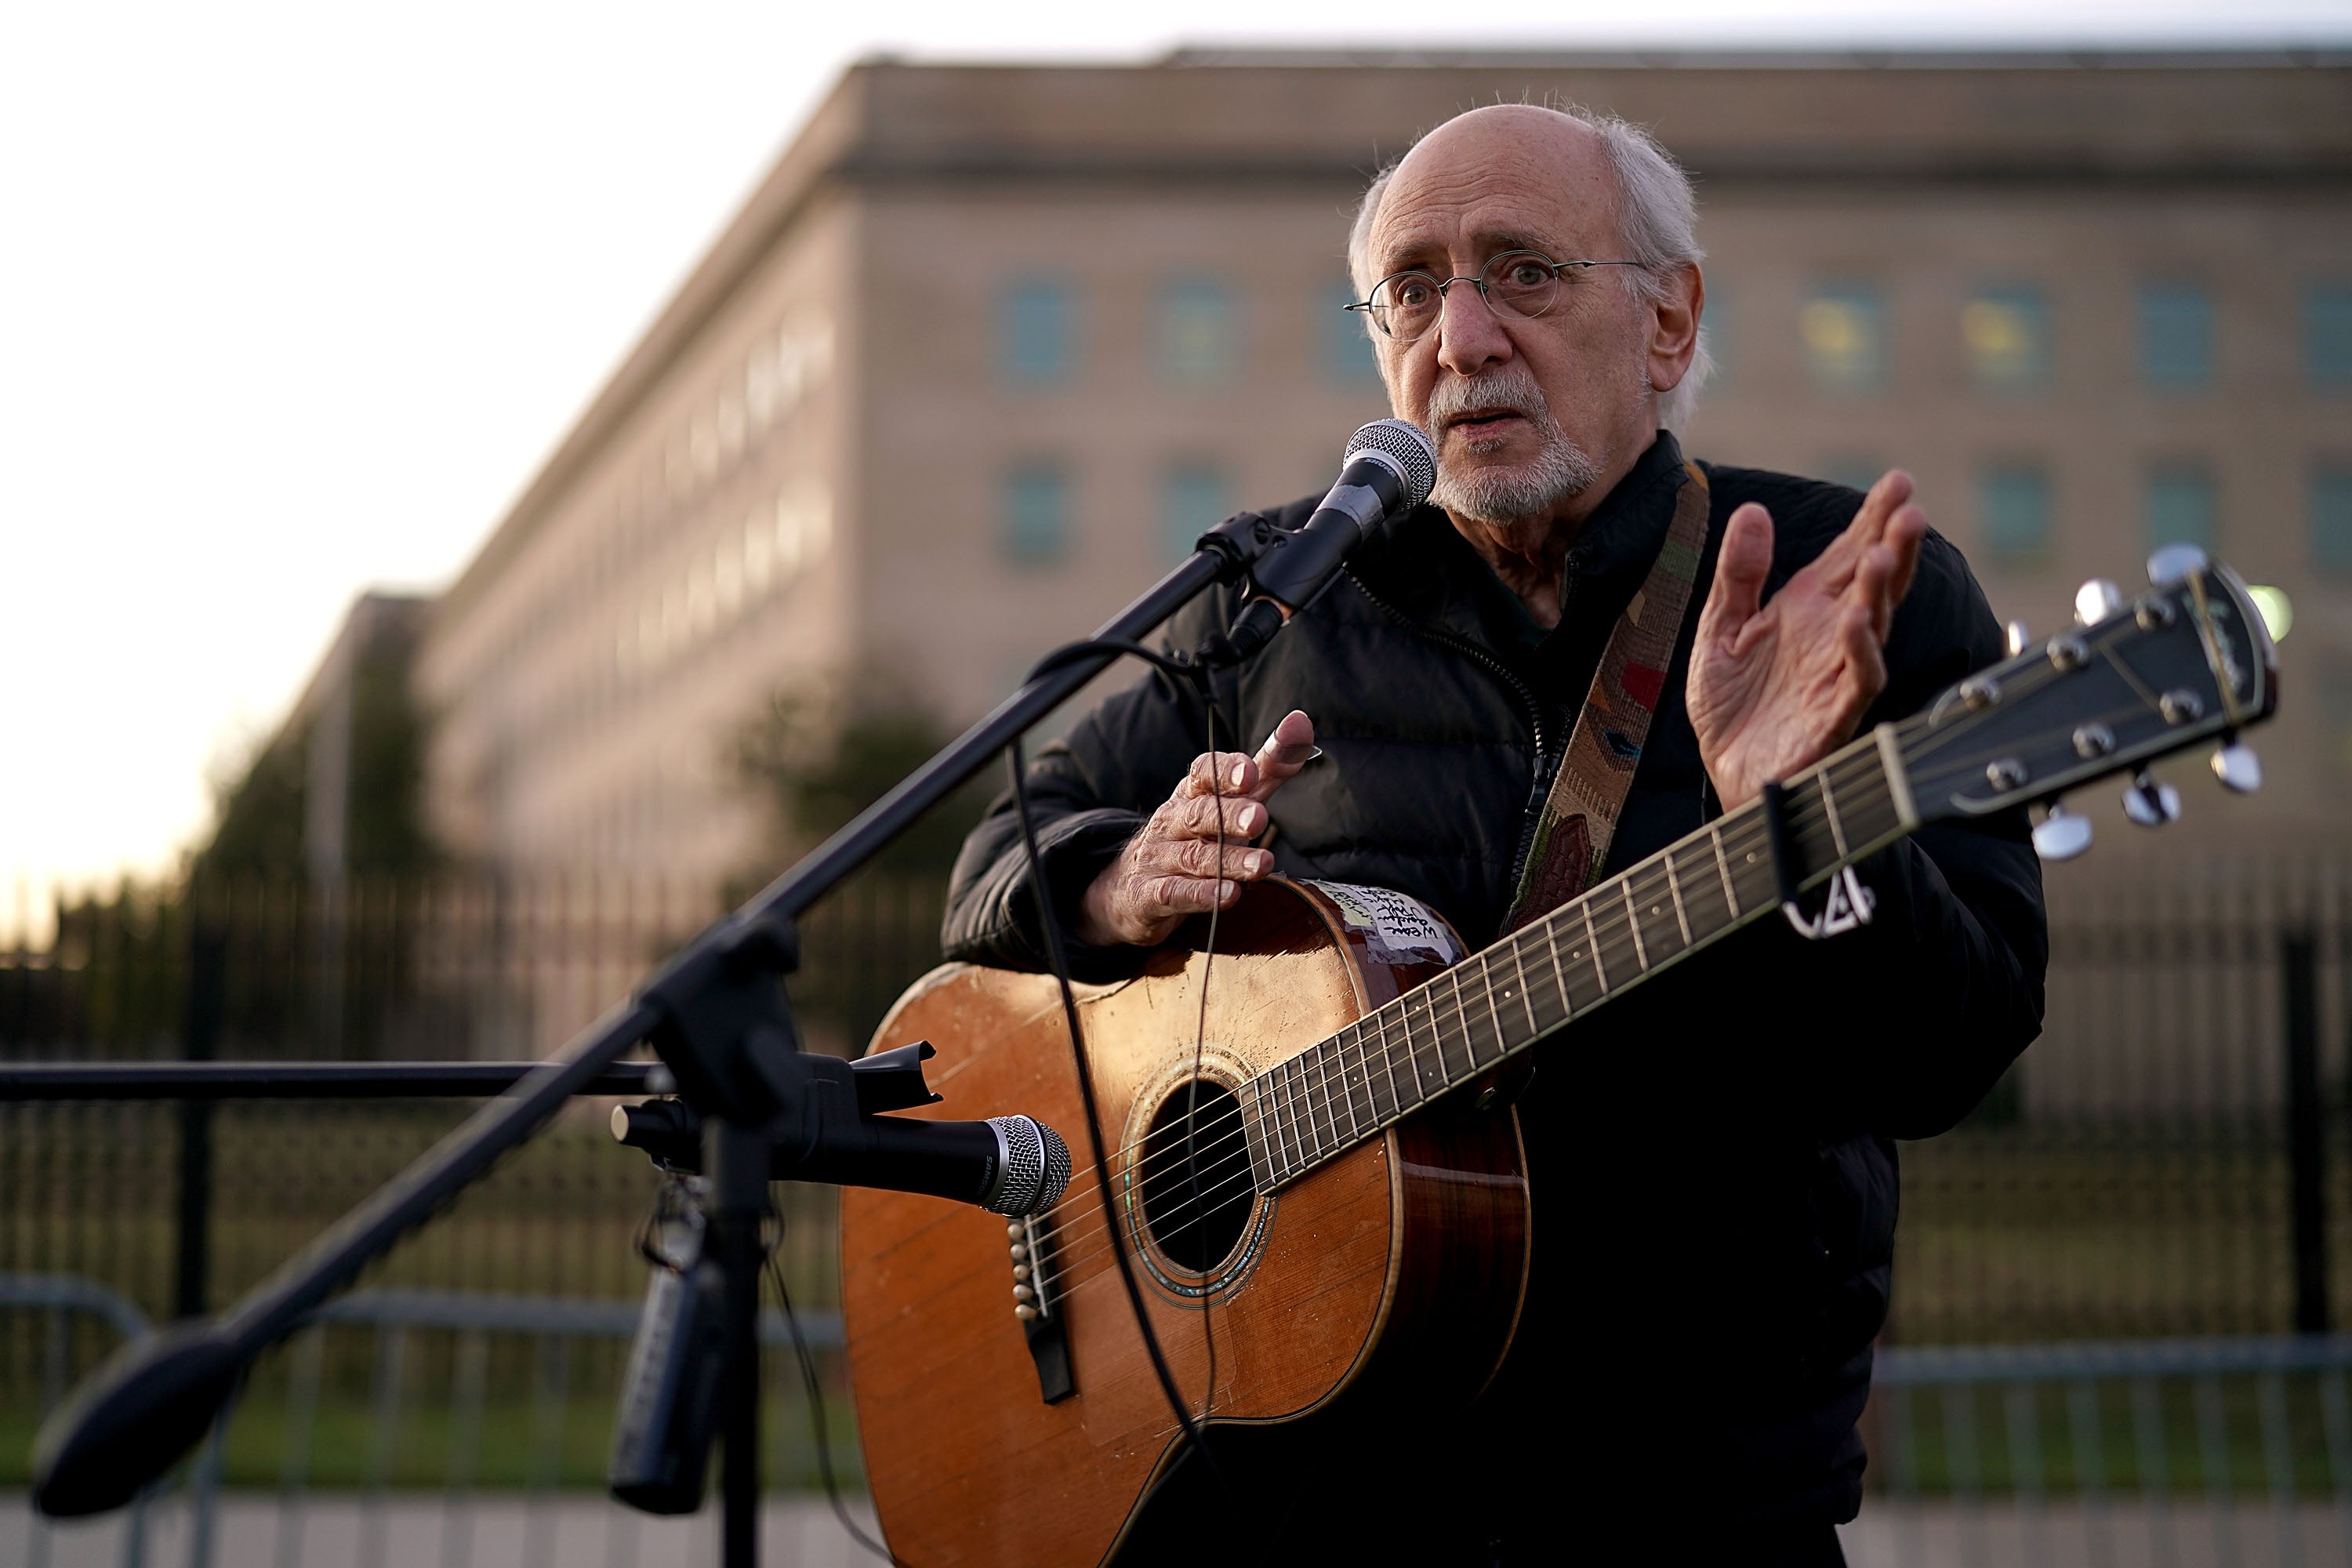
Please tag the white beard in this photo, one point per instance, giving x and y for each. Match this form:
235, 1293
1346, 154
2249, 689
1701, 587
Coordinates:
1560, 471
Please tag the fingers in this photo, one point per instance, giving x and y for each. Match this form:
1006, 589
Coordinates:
1289, 748
1864, 675
1219, 773
1741, 569
1883, 574
1197, 816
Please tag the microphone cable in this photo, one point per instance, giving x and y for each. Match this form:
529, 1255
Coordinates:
1058, 956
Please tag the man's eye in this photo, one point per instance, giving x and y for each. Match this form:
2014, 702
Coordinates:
1414, 293
1528, 274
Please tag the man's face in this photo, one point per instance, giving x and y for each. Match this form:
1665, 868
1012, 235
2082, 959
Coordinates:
1528, 413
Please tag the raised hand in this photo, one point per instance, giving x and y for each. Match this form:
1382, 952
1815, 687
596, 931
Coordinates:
1172, 869
1775, 688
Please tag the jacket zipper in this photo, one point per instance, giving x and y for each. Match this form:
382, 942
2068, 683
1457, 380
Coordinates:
1547, 762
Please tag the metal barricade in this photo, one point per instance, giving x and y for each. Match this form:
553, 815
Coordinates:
397, 1325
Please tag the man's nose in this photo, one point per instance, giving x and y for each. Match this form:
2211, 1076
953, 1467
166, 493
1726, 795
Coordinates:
1469, 338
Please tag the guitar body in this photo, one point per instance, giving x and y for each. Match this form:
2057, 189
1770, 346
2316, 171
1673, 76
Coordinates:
1375, 1289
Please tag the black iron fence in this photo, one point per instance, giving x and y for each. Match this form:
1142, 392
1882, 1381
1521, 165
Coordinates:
2167, 1162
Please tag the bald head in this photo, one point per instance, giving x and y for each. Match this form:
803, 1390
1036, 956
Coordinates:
1631, 198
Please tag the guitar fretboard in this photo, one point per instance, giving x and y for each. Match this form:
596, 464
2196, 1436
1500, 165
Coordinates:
1490, 1006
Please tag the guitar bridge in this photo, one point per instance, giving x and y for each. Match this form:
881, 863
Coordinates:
1034, 1305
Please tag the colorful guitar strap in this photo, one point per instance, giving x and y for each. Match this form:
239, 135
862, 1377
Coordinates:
1579, 815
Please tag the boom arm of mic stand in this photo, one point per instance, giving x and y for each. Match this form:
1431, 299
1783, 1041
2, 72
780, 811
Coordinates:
148, 1405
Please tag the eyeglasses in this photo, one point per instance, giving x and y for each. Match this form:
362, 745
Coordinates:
1521, 283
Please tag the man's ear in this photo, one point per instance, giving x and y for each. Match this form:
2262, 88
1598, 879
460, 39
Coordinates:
1673, 329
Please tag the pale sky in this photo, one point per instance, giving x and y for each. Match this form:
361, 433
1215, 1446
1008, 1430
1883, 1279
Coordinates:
295, 298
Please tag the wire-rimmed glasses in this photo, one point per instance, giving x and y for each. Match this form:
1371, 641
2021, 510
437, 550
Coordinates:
1521, 283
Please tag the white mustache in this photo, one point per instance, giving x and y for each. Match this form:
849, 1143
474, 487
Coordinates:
1512, 388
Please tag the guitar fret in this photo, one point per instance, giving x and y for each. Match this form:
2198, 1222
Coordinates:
1411, 1060
1254, 1138
1730, 894
1286, 1122
1560, 977
1829, 804
1322, 1093
1526, 993
1437, 1024
1674, 886
1592, 940
1359, 1076
1633, 925
1388, 1062
1303, 1109
1486, 982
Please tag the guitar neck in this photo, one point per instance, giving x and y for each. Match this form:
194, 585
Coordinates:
1496, 1004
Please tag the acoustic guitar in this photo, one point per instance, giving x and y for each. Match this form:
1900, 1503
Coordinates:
1334, 1176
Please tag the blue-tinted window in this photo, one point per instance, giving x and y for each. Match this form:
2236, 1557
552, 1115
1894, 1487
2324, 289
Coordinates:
2331, 519
1348, 356
1193, 498
1034, 521
1198, 331
2007, 332
2175, 336
2183, 506
1038, 335
2013, 504
2327, 335
1843, 327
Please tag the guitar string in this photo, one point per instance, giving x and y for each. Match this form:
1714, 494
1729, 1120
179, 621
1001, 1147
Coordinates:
1921, 740
1611, 923
1651, 877
1664, 877
1805, 813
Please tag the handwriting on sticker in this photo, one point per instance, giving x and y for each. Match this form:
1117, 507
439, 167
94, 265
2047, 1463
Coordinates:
1397, 922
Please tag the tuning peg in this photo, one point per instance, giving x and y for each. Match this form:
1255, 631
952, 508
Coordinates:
2171, 562
2060, 836
2237, 768
2017, 638
2096, 600
2150, 804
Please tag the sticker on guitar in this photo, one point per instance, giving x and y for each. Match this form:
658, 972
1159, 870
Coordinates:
1397, 927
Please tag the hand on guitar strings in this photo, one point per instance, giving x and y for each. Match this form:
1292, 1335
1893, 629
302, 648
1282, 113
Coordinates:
1172, 869
1777, 687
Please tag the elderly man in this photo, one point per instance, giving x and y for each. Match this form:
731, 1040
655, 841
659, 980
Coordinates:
1711, 1157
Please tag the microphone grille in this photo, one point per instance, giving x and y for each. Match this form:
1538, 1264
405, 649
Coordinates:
1403, 441
1036, 1166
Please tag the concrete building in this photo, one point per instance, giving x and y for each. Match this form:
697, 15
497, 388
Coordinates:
990, 344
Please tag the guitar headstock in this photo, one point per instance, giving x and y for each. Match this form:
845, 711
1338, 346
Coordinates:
2186, 660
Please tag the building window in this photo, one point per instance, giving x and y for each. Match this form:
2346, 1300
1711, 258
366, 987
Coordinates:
2327, 335
1033, 522
1035, 329
2175, 336
1843, 328
2331, 519
1348, 356
2182, 506
2007, 331
2014, 503
1193, 498
1197, 332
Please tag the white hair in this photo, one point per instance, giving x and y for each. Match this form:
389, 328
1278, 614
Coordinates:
1657, 217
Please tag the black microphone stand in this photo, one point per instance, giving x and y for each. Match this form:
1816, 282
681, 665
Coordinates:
718, 1016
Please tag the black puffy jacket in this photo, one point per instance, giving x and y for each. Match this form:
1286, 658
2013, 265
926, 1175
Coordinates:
1712, 1155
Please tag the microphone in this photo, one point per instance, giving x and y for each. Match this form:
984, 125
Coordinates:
1387, 469
1007, 1164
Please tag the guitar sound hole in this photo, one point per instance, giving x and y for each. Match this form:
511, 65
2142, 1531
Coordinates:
1196, 1201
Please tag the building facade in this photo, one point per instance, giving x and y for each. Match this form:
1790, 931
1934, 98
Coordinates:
991, 345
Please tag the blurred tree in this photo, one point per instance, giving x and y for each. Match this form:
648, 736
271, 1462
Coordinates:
817, 764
